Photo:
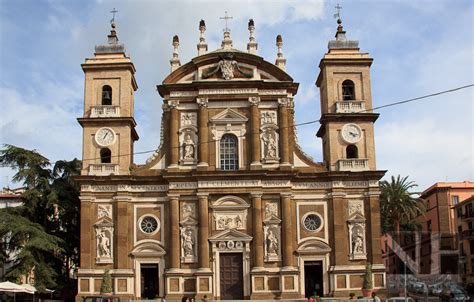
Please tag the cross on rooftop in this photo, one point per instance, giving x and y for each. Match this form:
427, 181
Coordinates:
114, 11
338, 14
226, 18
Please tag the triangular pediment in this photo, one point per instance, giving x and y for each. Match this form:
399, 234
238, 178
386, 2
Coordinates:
104, 222
229, 116
314, 247
231, 234
188, 221
272, 219
357, 217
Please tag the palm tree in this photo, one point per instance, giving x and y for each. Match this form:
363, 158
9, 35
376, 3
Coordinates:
397, 204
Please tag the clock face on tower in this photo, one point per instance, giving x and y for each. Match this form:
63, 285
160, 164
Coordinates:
105, 137
351, 133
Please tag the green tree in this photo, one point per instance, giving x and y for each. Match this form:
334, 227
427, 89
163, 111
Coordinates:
398, 205
43, 233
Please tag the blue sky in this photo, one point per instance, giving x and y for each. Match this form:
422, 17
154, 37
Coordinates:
419, 47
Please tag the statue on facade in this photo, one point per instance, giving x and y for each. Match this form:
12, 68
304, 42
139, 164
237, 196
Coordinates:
189, 147
270, 145
357, 242
272, 243
103, 243
187, 242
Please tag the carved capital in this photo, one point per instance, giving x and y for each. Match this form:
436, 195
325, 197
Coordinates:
173, 104
254, 100
283, 102
202, 102
256, 194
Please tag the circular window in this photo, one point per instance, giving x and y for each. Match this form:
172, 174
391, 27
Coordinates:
149, 224
312, 222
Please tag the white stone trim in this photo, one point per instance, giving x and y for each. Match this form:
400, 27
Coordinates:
325, 220
137, 262
135, 222
325, 269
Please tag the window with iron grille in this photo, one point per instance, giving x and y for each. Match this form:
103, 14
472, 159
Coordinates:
229, 152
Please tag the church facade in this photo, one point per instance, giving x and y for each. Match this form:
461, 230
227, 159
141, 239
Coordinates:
229, 206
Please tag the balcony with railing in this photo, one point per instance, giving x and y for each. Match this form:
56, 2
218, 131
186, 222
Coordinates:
353, 164
105, 111
103, 169
350, 106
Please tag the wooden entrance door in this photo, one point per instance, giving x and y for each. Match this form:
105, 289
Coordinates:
232, 277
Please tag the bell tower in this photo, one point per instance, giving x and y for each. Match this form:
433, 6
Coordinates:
347, 120
108, 122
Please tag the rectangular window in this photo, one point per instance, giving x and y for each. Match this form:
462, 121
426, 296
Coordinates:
429, 226
454, 200
471, 246
459, 212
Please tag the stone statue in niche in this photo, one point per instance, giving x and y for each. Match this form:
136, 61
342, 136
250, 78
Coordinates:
189, 147
270, 145
103, 244
272, 243
187, 242
357, 241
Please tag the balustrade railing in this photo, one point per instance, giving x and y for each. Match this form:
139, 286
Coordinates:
103, 169
355, 164
350, 106
105, 111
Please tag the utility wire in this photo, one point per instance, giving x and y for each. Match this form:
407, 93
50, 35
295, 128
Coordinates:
304, 123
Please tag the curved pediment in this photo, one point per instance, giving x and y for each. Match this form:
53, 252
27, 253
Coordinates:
148, 249
314, 247
229, 65
230, 202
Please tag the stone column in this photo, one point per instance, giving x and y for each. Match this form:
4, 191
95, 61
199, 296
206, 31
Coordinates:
122, 229
174, 231
174, 127
287, 230
255, 131
203, 231
339, 225
374, 254
257, 228
87, 233
284, 143
203, 132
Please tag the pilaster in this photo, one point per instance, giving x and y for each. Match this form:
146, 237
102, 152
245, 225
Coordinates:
287, 219
173, 135
203, 232
203, 133
174, 232
284, 143
122, 231
255, 135
257, 229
